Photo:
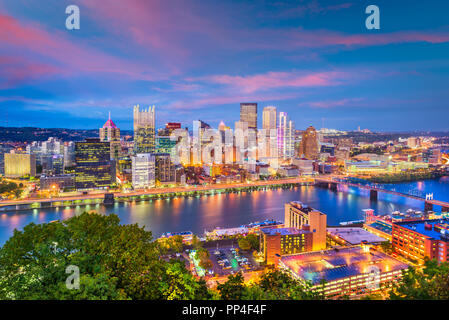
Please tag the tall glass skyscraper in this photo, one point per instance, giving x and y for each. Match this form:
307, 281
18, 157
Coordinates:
286, 139
144, 130
248, 114
269, 118
94, 168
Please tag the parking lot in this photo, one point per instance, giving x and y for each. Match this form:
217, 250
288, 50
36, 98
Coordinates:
228, 260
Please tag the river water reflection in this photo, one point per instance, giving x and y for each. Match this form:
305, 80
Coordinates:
235, 209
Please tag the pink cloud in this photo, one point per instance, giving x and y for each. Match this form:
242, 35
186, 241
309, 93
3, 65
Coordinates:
69, 57
271, 80
335, 103
221, 99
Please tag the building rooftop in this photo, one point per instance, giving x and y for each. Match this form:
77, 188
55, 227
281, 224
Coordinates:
335, 264
384, 227
282, 231
437, 229
354, 235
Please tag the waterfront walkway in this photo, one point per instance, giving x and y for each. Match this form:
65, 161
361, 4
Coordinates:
98, 197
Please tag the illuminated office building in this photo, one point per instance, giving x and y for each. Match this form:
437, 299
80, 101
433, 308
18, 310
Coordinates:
308, 147
269, 123
165, 145
144, 130
275, 242
248, 114
110, 133
94, 168
69, 154
19, 164
164, 168
143, 170
286, 136
422, 239
298, 214
269, 118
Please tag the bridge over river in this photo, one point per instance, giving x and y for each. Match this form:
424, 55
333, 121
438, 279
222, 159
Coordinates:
374, 188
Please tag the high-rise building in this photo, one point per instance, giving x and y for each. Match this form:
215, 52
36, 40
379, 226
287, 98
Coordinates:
143, 170
94, 168
286, 136
269, 118
110, 133
298, 215
69, 154
200, 139
19, 165
248, 114
144, 130
308, 148
164, 168
269, 124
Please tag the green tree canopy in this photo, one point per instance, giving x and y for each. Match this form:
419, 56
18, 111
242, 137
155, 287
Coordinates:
115, 262
429, 283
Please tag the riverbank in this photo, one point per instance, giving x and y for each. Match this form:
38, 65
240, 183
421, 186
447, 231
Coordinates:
153, 194
404, 177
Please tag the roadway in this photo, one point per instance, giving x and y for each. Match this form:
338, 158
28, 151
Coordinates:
158, 191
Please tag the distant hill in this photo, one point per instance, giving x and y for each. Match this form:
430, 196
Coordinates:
28, 134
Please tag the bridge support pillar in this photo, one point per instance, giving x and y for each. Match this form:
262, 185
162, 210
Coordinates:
373, 195
333, 186
428, 206
445, 209
109, 198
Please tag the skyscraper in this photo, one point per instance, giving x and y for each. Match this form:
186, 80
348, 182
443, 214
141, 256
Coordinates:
286, 139
144, 130
110, 133
308, 148
94, 168
143, 170
248, 114
269, 118
19, 164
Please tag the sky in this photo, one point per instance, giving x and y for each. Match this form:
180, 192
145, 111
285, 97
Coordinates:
199, 59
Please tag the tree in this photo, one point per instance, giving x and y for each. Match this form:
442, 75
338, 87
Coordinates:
251, 241
175, 243
387, 247
233, 288
244, 244
115, 262
281, 286
196, 242
203, 256
254, 241
430, 283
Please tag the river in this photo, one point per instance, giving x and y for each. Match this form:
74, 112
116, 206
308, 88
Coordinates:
231, 210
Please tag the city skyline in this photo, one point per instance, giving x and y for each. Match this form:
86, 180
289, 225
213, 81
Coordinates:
314, 60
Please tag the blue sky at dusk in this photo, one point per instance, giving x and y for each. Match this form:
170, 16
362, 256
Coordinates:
194, 60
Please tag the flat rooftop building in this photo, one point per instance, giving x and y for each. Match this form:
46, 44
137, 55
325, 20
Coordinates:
275, 242
351, 271
353, 236
422, 239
